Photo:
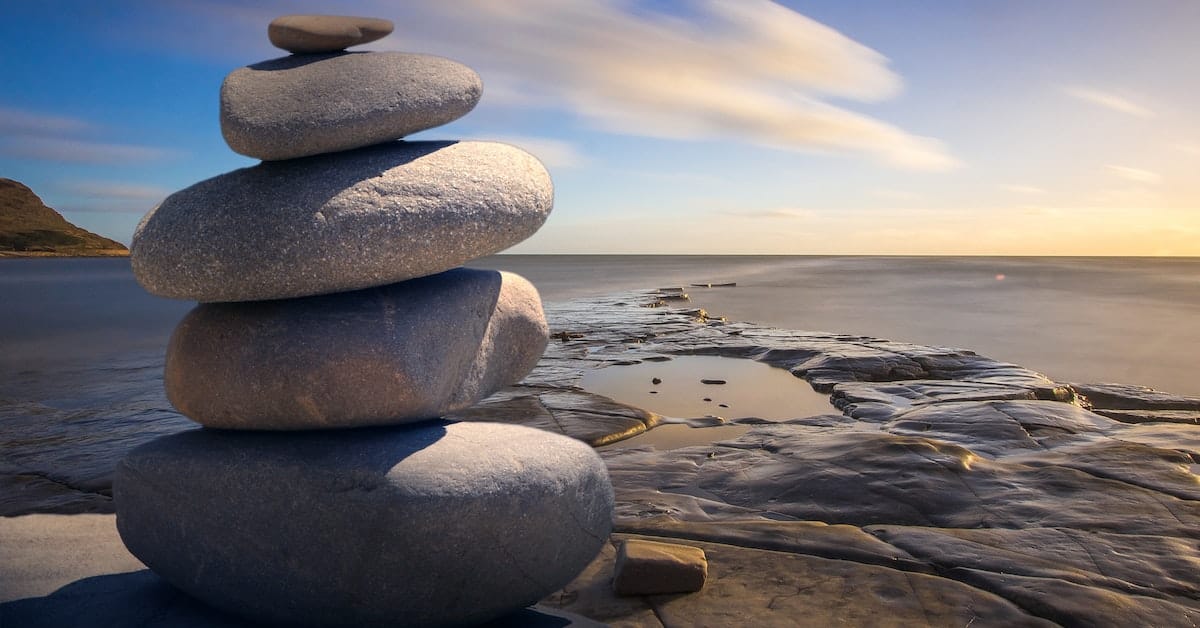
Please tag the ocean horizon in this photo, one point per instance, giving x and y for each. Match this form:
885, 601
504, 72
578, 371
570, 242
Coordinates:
1132, 320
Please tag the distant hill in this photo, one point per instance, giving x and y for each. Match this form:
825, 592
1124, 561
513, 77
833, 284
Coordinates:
30, 229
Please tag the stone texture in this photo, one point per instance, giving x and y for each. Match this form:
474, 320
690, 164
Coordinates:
42, 553
399, 353
953, 489
341, 222
754, 587
435, 524
325, 33
654, 568
593, 419
1127, 397
58, 571
311, 104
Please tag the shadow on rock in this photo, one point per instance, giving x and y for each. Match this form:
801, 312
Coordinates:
137, 598
141, 598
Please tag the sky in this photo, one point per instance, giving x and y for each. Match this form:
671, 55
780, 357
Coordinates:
991, 127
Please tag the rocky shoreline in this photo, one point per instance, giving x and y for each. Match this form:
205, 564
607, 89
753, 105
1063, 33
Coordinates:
29, 228
941, 488
39, 254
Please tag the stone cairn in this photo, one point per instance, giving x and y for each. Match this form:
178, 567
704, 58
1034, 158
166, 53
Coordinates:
335, 326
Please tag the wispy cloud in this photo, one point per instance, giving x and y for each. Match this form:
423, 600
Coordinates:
1191, 149
672, 177
1137, 175
102, 207
553, 153
1023, 189
897, 195
1130, 197
749, 71
80, 151
26, 134
1109, 100
21, 122
116, 191
785, 213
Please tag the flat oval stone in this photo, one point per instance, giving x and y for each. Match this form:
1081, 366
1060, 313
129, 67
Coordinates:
341, 222
395, 354
310, 104
325, 33
427, 525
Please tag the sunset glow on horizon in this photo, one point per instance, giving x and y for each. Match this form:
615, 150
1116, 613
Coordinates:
707, 127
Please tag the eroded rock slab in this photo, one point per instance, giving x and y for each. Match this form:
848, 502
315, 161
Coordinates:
396, 354
1126, 397
242, 520
753, 587
307, 105
949, 479
342, 222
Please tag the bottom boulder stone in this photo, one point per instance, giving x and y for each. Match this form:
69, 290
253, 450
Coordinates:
430, 524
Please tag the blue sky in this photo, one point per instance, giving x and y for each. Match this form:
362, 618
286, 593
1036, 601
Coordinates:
985, 127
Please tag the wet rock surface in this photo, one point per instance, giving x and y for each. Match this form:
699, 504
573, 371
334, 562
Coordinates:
948, 482
941, 488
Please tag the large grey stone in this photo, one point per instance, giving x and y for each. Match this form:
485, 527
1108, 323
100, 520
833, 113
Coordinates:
427, 525
334, 223
400, 353
325, 33
310, 104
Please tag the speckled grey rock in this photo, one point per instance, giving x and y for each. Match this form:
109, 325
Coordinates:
427, 525
310, 104
341, 222
325, 33
396, 354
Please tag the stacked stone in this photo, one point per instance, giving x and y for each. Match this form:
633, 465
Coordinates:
332, 298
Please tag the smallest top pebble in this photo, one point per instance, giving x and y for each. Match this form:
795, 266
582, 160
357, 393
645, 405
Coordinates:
306, 34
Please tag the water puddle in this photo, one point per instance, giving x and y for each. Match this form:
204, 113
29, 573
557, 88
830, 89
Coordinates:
706, 387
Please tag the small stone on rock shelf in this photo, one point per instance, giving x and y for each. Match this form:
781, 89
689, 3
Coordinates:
656, 381
708, 398
653, 568
325, 33
712, 381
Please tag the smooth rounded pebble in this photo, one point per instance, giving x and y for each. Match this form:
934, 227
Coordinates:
427, 525
310, 104
340, 222
325, 33
400, 353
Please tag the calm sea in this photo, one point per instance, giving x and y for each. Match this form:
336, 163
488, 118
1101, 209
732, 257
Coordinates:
1126, 320
1130, 320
